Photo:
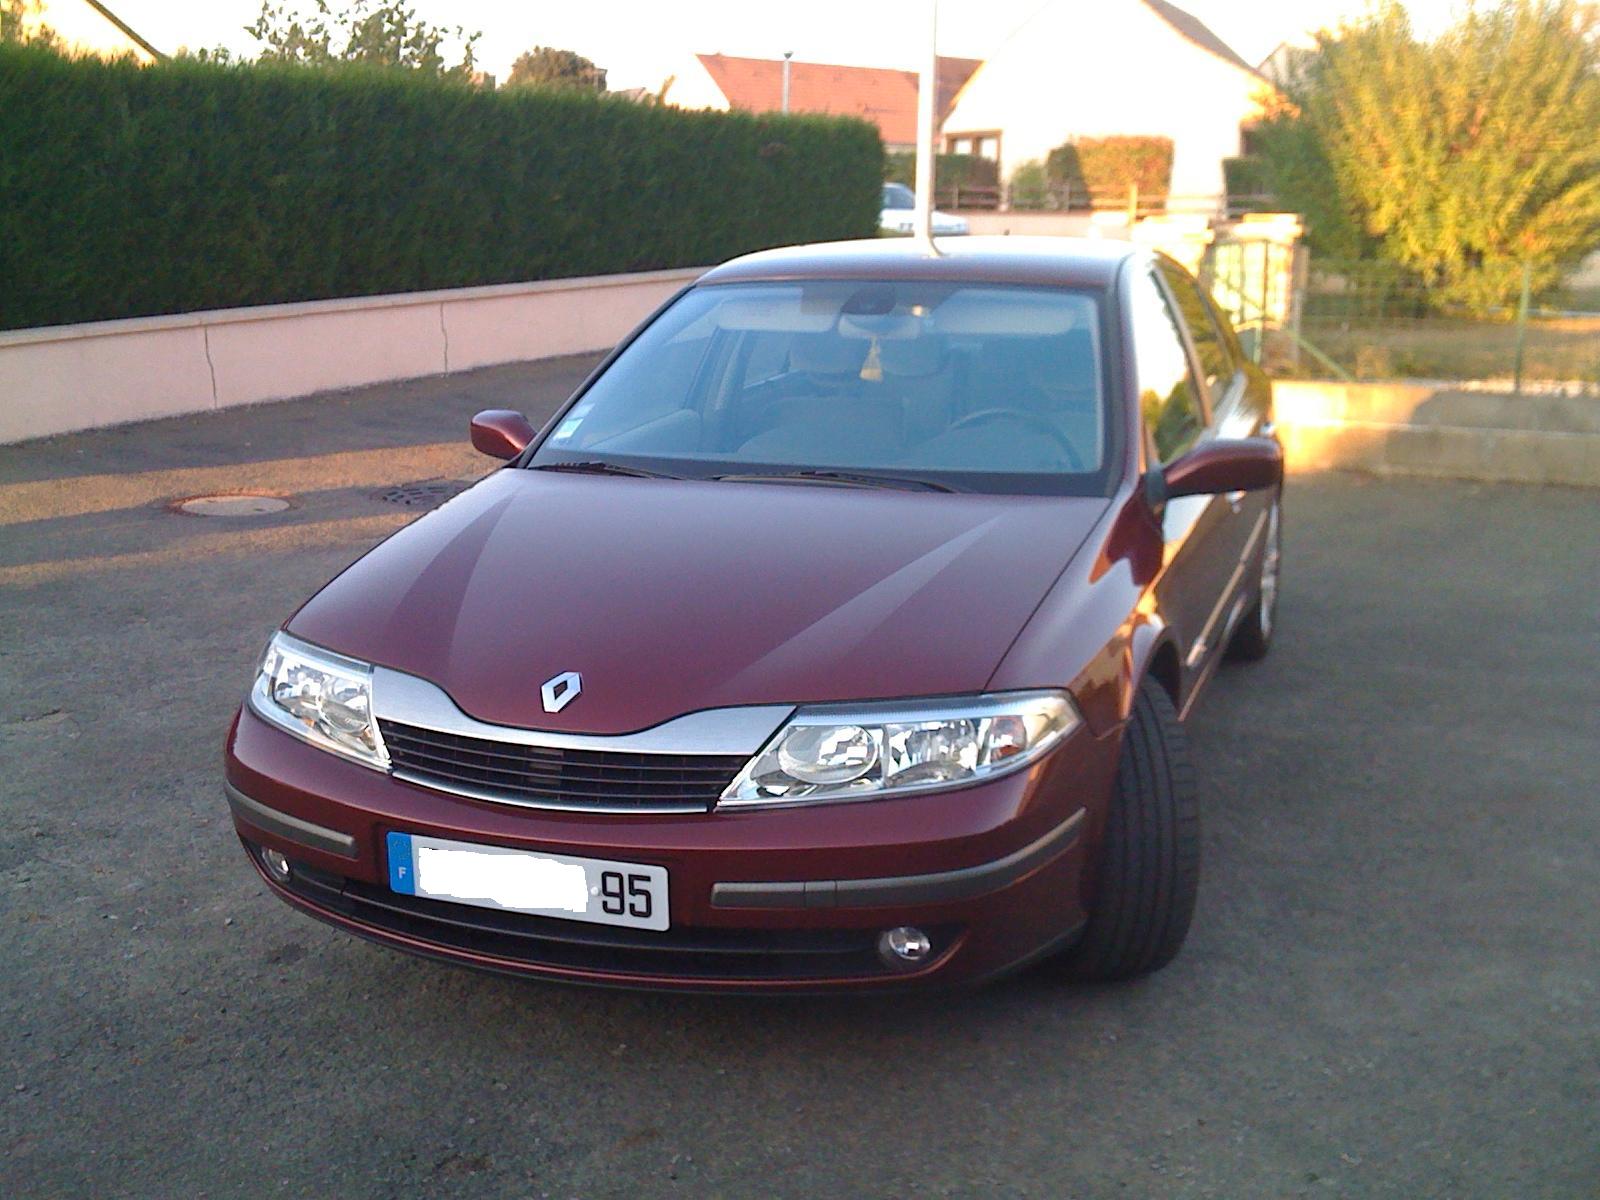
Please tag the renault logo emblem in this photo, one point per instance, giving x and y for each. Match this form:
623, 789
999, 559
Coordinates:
561, 691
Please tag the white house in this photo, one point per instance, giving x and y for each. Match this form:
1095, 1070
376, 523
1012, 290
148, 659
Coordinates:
85, 27
1115, 67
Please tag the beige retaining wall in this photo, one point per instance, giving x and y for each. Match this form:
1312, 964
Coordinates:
69, 377
1022, 223
1440, 430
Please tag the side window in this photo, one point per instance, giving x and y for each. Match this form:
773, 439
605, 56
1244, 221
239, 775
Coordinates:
1216, 362
766, 356
1230, 338
667, 393
1168, 399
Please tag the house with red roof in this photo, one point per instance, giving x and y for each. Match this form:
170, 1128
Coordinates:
1071, 70
886, 97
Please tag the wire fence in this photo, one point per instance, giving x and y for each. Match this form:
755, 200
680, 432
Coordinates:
1314, 318
1378, 321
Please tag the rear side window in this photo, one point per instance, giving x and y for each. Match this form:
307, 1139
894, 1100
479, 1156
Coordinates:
1216, 360
1169, 400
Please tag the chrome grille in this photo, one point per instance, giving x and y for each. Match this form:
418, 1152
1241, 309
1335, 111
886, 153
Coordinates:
540, 776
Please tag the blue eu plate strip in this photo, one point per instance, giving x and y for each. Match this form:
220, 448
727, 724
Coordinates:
402, 867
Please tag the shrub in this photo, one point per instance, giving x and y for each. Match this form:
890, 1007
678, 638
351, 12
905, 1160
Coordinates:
1030, 185
1108, 166
127, 191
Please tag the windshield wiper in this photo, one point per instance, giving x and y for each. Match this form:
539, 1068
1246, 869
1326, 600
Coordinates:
595, 466
846, 478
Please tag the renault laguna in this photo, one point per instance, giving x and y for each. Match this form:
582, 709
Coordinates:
838, 633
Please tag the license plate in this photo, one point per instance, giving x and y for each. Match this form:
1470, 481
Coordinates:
547, 885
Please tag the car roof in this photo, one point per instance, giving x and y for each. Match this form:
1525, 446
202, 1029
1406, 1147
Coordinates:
1057, 261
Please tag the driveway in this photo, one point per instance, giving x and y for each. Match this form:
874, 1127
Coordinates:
1390, 990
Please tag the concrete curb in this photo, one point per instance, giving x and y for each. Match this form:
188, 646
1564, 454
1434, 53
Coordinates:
1441, 431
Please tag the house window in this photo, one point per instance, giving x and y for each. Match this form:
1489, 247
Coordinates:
984, 145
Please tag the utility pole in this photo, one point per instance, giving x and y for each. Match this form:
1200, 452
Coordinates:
927, 92
787, 55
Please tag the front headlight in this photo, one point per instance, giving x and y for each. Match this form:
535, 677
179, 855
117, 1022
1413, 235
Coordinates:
860, 752
322, 697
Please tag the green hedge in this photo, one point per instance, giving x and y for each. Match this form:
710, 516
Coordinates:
949, 170
127, 191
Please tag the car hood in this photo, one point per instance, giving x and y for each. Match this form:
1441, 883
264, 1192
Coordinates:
671, 596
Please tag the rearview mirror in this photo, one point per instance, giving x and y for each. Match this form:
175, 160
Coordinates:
1224, 465
501, 433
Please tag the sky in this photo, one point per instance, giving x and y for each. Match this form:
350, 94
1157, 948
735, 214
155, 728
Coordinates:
641, 42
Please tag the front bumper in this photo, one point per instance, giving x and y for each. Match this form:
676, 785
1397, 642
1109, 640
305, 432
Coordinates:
761, 900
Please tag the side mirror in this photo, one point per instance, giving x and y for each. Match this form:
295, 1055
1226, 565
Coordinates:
501, 433
1225, 465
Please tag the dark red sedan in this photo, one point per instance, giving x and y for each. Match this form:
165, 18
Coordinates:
836, 634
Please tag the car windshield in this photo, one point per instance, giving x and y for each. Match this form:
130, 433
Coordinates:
978, 387
898, 195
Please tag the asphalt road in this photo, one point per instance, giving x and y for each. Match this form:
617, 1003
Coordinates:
1390, 989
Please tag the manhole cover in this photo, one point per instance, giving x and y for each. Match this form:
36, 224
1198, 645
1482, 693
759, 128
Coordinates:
430, 493
231, 506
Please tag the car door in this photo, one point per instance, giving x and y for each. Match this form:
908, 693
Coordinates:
1239, 398
1199, 531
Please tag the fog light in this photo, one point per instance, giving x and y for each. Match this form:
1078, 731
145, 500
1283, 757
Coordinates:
904, 946
277, 865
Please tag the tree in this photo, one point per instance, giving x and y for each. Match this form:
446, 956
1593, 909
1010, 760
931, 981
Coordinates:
1301, 177
16, 27
545, 66
365, 31
1466, 159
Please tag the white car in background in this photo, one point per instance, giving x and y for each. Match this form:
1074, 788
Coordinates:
898, 203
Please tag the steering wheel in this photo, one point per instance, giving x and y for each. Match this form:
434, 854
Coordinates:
984, 415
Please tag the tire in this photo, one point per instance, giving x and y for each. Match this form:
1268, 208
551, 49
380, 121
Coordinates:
1150, 861
1253, 638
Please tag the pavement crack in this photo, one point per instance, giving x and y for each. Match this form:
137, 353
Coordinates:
205, 333
53, 716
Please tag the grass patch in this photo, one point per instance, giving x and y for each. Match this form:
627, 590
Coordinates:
1556, 349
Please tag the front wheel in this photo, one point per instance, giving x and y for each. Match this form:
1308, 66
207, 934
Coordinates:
1253, 638
1150, 862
